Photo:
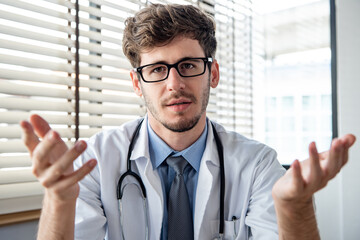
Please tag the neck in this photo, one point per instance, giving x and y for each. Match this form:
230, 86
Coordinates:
178, 140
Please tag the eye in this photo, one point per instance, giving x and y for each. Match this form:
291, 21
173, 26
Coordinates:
187, 65
158, 69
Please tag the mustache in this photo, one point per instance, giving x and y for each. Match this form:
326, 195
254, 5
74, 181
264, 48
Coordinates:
178, 95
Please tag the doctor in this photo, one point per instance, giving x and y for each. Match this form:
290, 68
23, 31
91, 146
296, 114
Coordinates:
172, 49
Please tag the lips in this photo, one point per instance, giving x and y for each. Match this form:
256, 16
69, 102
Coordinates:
178, 102
178, 105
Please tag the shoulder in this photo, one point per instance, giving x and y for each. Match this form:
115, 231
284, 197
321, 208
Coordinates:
248, 151
110, 144
249, 159
239, 141
123, 133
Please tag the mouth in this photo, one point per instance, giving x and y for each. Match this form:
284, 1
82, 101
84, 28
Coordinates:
179, 105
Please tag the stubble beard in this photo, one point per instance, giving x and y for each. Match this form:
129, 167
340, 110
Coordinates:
187, 124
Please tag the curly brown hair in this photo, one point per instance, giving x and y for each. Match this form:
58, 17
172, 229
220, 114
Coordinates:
158, 24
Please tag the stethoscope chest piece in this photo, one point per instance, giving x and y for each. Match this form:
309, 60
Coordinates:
219, 237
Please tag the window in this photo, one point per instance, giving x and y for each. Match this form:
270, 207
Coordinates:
294, 87
231, 102
38, 74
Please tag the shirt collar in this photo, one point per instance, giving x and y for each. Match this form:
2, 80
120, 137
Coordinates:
159, 150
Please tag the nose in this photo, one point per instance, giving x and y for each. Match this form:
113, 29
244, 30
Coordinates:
174, 82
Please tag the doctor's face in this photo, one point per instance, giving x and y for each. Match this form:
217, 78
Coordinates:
177, 103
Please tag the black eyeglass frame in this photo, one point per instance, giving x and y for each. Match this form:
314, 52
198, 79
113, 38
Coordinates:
175, 65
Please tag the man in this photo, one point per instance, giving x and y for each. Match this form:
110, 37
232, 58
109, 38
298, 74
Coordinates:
172, 50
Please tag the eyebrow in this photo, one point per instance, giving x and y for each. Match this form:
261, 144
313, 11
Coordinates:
181, 59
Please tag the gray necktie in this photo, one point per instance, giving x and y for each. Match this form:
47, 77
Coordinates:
180, 223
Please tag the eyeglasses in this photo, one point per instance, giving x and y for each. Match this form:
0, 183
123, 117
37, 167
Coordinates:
187, 67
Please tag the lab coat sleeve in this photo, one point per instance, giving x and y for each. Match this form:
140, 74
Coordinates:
90, 221
261, 216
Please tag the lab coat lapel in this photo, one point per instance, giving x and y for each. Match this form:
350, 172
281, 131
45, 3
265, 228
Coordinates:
206, 208
151, 181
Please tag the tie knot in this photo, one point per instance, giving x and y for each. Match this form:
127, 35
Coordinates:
177, 163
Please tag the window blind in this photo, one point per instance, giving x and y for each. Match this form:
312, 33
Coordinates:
37, 75
231, 101
37, 72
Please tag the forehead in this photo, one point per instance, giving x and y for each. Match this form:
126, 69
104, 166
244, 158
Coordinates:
178, 48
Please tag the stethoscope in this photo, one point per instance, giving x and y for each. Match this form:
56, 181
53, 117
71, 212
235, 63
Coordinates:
129, 172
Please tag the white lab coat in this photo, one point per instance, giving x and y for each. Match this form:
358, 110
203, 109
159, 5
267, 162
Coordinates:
251, 169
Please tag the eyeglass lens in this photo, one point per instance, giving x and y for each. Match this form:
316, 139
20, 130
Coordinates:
186, 68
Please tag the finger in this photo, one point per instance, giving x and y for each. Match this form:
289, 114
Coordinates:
76, 176
339, 162
324, 158
335, 161
323, 155
315, 173
59, 168
297, 179
41, 127
28, 136
345, 157
43, 153
349, 140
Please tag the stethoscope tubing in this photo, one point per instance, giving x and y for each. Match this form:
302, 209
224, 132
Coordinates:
220, 149
129, 172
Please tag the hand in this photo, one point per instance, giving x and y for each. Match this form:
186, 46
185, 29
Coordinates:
305, 178
293, 193
52, 160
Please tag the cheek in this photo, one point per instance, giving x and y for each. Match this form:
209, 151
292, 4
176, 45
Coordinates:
151, 94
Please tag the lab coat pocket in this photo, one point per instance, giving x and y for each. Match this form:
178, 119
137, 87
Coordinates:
231, 228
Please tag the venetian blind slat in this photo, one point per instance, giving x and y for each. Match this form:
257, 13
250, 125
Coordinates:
17, 176
42, 37
17, 161
33, 63
35, 77
15, 190
53, 12
15, 132
35, 22
17, 146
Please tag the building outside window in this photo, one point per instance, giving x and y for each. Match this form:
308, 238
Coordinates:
293, 93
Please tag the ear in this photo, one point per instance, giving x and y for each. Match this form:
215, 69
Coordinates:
215, 74
136, 83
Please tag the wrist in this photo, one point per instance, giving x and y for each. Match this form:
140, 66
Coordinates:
62, 196
57, 218
296, 220
55, 204
297, 211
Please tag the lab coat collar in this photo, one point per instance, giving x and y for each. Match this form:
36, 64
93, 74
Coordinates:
206, 182
211, 152
141, 148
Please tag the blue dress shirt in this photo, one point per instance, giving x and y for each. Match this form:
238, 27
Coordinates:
159, 151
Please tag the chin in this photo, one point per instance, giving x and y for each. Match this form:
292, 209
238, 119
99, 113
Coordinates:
182, 125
